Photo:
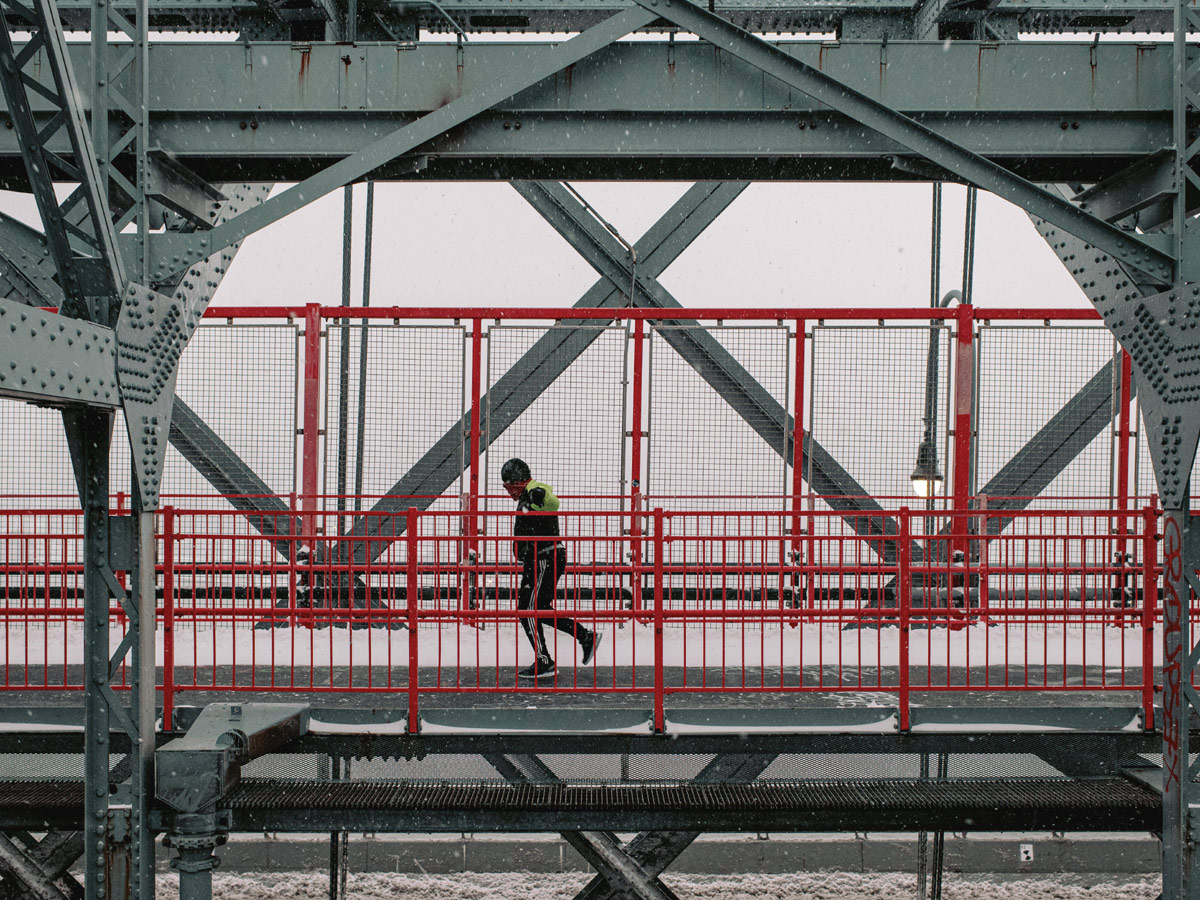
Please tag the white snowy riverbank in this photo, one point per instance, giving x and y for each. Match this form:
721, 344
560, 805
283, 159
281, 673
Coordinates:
807, 886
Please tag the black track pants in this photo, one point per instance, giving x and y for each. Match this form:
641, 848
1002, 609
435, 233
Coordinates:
539, 581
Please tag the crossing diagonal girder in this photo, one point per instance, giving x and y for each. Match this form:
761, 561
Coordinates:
86, 254
1140, 252
537, 369
654, 851
716, 365
408, 138
27, 273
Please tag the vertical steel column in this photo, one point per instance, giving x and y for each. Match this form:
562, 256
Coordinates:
1178, 847
145, 696
964, 394
1179, 881
91, 433
310, 447
635, 464
904, 601
361, 423
344, 355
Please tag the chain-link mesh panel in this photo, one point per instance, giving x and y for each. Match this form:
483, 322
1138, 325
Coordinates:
54, 767
1026, 377
699, 444
870, 388
240, 379
573, 434
414, 379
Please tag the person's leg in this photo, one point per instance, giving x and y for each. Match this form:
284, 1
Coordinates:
525, 601
546, 596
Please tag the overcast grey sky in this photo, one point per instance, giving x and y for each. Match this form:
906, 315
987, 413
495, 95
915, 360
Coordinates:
779, 244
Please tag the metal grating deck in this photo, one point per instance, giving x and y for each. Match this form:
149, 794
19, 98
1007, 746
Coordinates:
876, 804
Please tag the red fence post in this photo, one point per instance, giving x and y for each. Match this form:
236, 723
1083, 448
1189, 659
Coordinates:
310, 444
659, 701
1149, 604
904, 601
475, 459
410, 534
964, 392
797, 456
168, 682
635, 466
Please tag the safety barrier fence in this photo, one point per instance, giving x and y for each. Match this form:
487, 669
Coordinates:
331, 402
896, 602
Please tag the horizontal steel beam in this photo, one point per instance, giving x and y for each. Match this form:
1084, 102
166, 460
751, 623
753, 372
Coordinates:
648, 110
846, 17
56, 360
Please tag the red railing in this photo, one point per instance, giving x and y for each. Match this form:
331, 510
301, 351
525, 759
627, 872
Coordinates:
900, 602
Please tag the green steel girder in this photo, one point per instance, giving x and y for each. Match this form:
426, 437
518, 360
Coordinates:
647, 110
1137, 251
27, 270
848, 18
514, 79
84, 247
56, 360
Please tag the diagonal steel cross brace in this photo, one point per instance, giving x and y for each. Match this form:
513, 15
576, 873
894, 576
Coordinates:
18, 864
171, 255
545, 361
1145, 253
601, 849
716, 365
654, 851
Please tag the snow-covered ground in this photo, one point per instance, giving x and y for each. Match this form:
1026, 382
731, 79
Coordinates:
731, 645
808, 886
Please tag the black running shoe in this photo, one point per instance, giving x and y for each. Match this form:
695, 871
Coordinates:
542, 668
589, 642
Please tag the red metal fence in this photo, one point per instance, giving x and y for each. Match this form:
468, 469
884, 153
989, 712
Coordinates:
890, 602
696, 540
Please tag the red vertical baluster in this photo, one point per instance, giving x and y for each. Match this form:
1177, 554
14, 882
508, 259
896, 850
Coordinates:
659, 544
410, 534
1149, 604
905, 603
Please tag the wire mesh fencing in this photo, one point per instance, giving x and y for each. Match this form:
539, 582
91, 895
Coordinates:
1046, 405
872, 389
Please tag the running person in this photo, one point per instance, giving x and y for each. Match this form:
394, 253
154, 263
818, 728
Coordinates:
543, 560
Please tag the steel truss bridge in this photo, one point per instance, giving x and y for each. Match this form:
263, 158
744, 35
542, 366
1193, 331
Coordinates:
168, 151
